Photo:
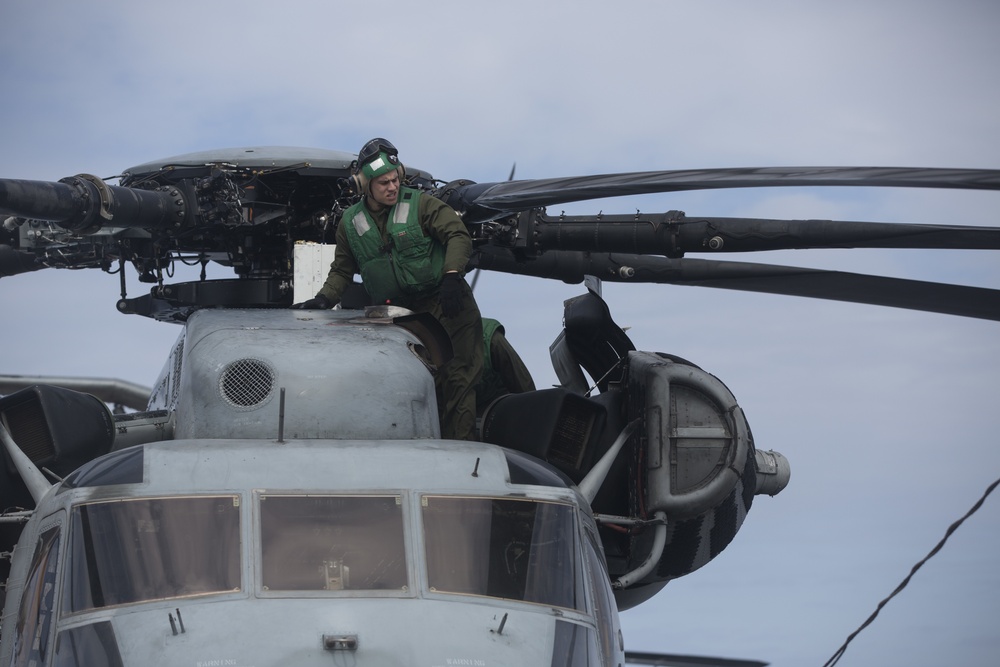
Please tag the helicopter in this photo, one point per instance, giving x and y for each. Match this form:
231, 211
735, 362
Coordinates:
256, 481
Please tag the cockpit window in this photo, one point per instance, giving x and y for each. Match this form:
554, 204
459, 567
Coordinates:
34, 617
332, 543
502, 547
141, 549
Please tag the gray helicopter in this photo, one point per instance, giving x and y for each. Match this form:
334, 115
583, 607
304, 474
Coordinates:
262, 506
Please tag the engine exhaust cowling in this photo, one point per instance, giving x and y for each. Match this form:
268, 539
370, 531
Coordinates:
695, 472
696, 437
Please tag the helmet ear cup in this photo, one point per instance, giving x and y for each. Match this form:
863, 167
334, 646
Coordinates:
372, 149
359, 183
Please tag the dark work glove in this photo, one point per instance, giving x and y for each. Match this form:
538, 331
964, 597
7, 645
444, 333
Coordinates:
318, 302
451, 294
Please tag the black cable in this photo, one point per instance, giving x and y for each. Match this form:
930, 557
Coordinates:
951, 529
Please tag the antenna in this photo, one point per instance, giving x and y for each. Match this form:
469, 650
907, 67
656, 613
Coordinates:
281, 416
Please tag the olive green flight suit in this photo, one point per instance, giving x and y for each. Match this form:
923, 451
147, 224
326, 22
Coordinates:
456, 382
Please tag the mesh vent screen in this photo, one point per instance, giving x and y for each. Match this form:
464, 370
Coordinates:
176, 385
246, 383
571, 437
27, 426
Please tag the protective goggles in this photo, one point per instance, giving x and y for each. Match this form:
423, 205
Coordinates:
373, 148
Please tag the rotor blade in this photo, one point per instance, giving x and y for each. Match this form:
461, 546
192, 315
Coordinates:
674, 234
571, 267
676, 660
516, 195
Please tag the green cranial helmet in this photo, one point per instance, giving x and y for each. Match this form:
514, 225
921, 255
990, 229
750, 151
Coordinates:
377, 157
382, 164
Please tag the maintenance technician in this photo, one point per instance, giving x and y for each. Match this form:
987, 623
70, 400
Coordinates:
411, 251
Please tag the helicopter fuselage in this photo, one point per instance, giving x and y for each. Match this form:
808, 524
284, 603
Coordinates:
286, 498
311, 552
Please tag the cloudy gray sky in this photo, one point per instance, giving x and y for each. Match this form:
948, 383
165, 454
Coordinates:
888, 417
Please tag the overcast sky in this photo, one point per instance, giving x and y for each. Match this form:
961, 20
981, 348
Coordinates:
888, 417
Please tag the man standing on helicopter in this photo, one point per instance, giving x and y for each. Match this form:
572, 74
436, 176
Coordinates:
411, 251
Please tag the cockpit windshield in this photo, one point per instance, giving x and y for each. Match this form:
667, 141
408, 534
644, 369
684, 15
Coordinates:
332, 543
141, 549
503, 547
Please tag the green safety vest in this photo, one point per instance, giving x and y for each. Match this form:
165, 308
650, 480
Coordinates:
490, 383
410, 263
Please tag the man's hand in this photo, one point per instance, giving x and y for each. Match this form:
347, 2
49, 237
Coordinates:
451, 294
318, 302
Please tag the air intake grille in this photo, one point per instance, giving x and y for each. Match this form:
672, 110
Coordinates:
571, 436
28, 428
246, 383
